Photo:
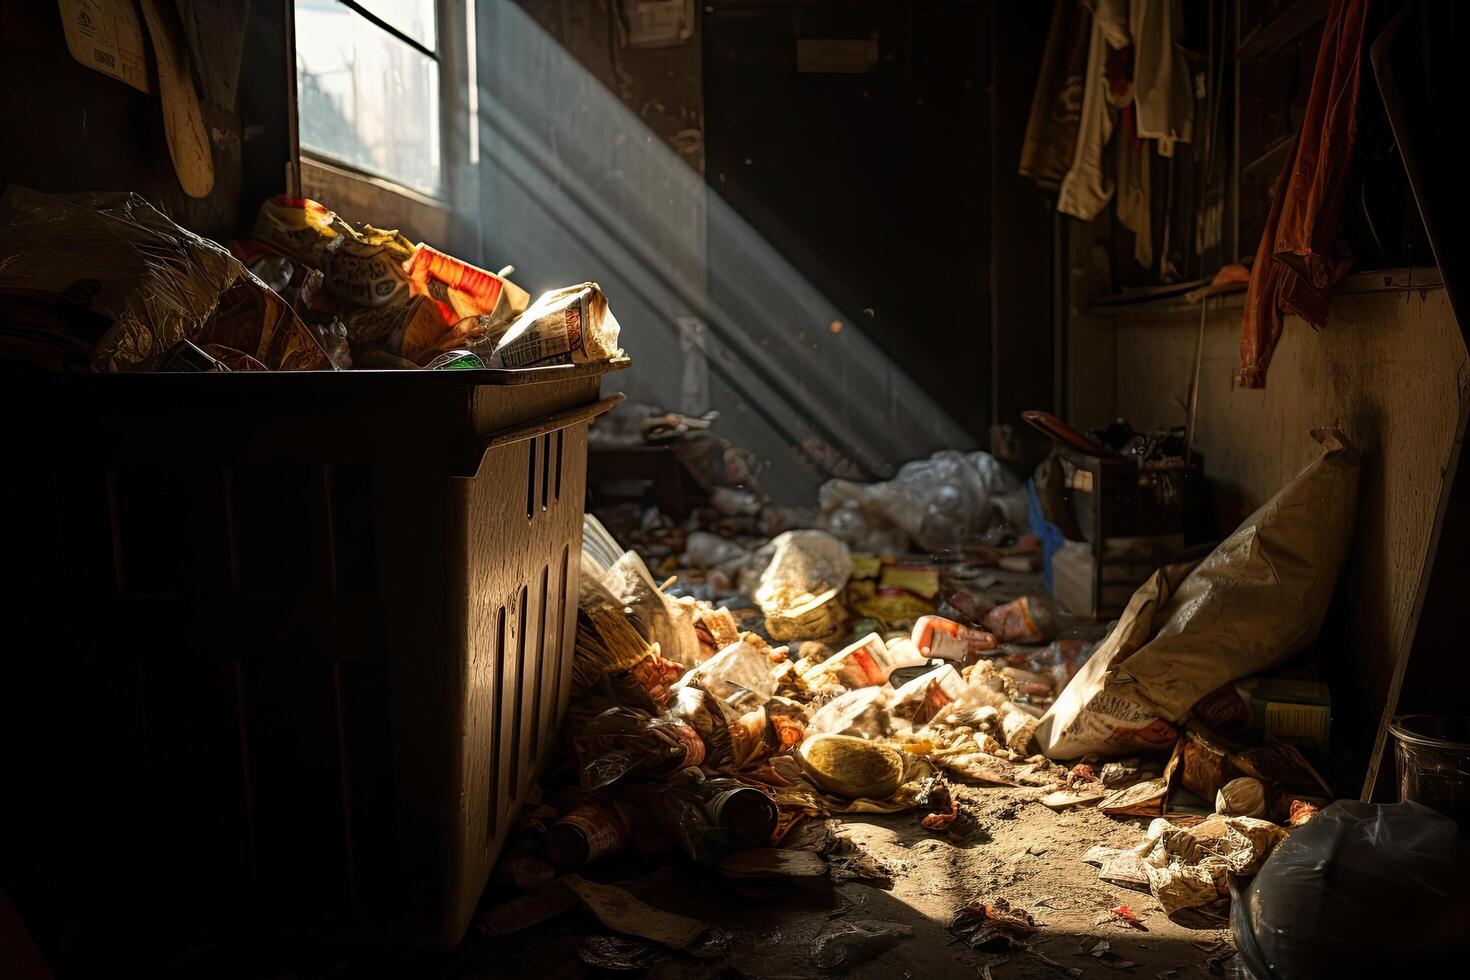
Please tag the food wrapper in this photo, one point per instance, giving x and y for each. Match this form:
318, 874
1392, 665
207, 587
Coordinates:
364, 268
565, 326
410, 302
105, 281
464, 291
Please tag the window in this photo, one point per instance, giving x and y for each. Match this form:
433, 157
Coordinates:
368, 87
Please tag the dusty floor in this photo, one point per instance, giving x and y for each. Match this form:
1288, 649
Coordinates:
1016, 849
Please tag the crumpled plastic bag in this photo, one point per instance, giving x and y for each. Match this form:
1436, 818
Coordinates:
805, 566
739, 667
1255, 601
1360, 890
705, 550
939, 503
665, 620
105, 281
732, 736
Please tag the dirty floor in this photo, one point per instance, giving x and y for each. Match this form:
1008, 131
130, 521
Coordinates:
1009, 846
1006, 845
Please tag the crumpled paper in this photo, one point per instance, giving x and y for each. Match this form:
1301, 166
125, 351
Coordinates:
1187, 868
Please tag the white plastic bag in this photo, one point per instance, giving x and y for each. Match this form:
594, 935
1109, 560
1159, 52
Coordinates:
938, 503
805, 565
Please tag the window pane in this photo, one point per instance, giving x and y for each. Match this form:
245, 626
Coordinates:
413, 17
365, 97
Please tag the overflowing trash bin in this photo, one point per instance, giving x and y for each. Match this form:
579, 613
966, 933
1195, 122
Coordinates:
298, 638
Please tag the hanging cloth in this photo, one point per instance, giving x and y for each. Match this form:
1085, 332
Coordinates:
1056, 108
1086, 189
1161, 77
1298, 260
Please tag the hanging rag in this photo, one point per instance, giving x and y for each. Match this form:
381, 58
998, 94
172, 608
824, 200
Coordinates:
1086, 189
1056, 108
1134, 187
1299, 259
1162, 90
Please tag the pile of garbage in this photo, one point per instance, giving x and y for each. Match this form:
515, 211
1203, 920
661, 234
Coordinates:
799, 677
106, 282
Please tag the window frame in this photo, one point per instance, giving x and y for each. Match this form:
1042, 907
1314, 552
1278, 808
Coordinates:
361, 195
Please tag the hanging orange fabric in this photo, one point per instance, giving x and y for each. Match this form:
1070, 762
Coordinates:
1298, 260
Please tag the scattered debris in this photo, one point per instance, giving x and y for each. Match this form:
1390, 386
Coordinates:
770, 862
620, 911
618, 953
845, 944
1066, 799
1102, 951
993, 925
936, 800
1124, 914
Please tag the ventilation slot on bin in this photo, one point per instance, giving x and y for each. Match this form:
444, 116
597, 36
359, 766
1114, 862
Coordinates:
536, 688
496, 728
519, 693
559, 612
531, 479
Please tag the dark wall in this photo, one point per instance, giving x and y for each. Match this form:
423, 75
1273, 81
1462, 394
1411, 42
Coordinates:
68, 128
875, 184
1025, 354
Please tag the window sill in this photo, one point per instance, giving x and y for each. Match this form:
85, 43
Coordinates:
364, 199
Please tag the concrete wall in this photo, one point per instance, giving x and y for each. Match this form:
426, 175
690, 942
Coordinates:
1388, 370
591, 158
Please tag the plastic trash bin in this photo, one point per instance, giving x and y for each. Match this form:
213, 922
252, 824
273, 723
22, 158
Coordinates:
1433, 757
287, 649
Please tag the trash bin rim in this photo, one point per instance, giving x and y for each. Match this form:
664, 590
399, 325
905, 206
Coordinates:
504, 377
1401, 731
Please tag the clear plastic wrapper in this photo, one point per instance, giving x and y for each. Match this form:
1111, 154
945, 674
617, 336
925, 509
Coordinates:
862, 713
662, 619
805, 566
103, 281
733, 735
739, 667
940, 504
622, 743
926, 696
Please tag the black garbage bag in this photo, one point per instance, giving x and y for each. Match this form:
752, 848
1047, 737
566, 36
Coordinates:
1360, 890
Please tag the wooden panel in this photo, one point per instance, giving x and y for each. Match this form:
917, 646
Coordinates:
1386, 370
